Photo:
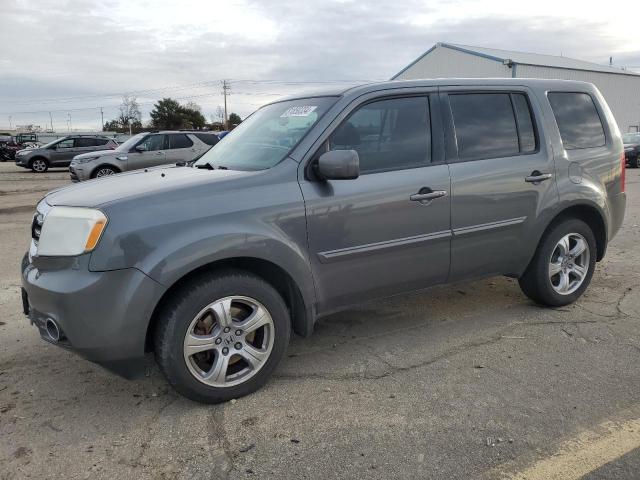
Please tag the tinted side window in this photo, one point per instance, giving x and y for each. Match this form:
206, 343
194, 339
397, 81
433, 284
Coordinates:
179, 140
153, 142
578, 120
85, 142
525, 123
101, 141
485, 125
68, 143
208, 138
388, 134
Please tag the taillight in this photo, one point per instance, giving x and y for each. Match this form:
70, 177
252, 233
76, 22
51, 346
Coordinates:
623, 174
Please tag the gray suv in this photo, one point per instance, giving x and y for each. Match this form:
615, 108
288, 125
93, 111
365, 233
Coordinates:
60, 152
144, 150
317, 203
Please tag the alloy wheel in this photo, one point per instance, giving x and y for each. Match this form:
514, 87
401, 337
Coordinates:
569, 263
103, 172
39, 165
228, 341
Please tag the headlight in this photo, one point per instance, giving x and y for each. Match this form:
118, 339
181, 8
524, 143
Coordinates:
22, 152
69, 231
80, 161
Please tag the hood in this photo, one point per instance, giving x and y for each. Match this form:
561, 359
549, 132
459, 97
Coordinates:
99, 153
125, 186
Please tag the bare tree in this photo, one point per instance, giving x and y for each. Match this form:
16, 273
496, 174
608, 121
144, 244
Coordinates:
129, 112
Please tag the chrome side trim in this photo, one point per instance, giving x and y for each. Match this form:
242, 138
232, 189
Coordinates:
371, 248
488, 226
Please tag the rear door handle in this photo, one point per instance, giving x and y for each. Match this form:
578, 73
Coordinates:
537, 177
426, 195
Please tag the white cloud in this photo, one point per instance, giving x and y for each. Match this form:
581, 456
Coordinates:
91, 48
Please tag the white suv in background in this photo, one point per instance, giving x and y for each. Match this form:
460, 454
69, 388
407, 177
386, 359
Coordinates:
144, 150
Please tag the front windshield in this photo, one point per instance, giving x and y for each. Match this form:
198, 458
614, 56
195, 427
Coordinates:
128, 145
631, 138
267, 136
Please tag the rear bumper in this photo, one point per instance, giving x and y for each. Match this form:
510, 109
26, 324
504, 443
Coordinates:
102, 316
617, 208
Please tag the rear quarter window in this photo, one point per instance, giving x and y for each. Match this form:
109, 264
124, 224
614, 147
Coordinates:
578, 121
208, 138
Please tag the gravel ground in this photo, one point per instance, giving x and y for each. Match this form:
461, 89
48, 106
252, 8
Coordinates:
465, 381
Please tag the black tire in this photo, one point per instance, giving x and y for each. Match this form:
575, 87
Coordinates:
103, 168
536, 283
177, 314
39, 165
635, 162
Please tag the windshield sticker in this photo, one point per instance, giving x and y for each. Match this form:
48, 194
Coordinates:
302, 111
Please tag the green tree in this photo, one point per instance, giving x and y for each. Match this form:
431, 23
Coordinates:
167, 114
234, 119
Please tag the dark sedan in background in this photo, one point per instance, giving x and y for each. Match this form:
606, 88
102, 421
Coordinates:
632, 149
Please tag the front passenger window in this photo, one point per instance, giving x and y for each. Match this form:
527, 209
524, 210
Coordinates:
153, 142
389, 134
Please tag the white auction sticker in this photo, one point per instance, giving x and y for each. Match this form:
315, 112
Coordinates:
301, 111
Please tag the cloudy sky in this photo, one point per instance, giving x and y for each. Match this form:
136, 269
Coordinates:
72, 57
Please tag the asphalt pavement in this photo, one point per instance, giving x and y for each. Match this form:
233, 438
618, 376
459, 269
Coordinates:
466, 381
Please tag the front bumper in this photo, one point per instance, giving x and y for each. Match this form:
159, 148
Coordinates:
103, 316
21, 160
78, 173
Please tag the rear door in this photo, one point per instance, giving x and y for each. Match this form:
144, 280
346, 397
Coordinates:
179, 148
502, 177
84, 145
382, 233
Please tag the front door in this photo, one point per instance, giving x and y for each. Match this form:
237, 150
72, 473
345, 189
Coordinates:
388, 230
152, 153
63, 152
502, 174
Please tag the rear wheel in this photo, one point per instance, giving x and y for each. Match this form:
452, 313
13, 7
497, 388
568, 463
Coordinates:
563, 265
635, 162
221, 336
39, 165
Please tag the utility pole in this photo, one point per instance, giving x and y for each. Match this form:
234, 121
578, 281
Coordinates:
10, 121
69, 121
102, 118
226, 89
51, 120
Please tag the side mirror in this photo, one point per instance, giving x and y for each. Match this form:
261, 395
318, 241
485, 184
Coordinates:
141, 148
339, 165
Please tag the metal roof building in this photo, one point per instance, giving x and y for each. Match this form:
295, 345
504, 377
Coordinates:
621, 88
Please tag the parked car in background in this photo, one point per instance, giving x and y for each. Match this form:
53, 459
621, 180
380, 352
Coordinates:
144, 150
223, 134
60, 152
632, 149
318, 203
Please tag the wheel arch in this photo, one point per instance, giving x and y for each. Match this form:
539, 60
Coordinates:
275, 275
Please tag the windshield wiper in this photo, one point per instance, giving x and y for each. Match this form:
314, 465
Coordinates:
208, 166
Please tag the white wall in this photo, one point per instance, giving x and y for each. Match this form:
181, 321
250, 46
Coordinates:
445, 62
622, 92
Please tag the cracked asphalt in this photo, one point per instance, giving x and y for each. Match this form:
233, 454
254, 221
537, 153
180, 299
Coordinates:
463, 381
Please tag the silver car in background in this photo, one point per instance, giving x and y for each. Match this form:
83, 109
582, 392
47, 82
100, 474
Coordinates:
148, 149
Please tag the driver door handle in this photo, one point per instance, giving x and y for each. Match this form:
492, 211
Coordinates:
426, 195
537, 177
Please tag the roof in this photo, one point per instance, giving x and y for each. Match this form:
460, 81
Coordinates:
524, 58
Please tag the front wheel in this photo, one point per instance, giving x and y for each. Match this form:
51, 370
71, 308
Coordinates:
563, 264
221, 336
103, 172
635, 162
39, 165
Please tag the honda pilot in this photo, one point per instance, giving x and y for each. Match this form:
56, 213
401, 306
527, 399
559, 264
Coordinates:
317, 203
